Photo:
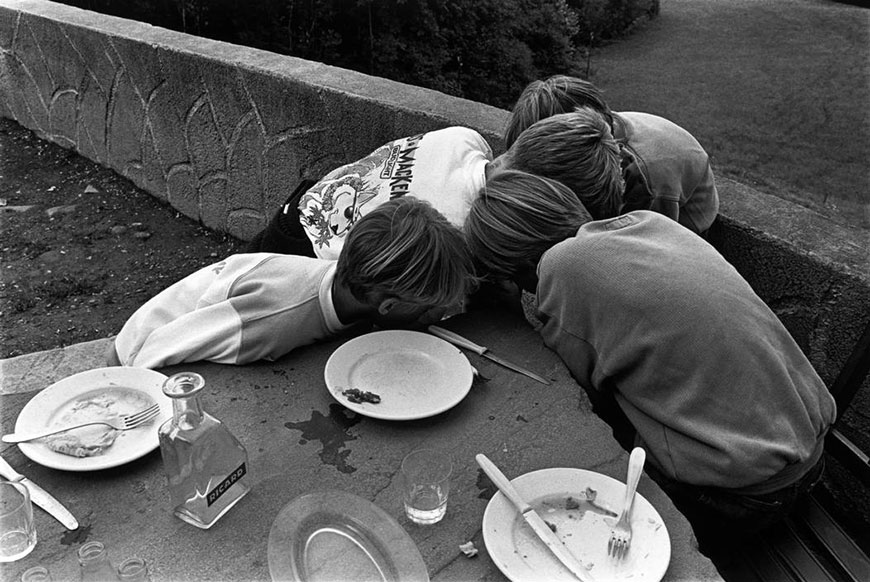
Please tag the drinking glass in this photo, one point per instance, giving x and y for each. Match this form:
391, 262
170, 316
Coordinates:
17, 531
426, 485
36, 574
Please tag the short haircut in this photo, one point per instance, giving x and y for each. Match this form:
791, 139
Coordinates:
406, 249
516, 218
578, 150
551, 96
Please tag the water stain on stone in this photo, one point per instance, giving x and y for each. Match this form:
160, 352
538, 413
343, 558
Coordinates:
77, 536
332, 433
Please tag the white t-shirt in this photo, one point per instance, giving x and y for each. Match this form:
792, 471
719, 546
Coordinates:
447, 168
245, 308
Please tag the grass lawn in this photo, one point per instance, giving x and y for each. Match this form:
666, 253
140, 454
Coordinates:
777, 92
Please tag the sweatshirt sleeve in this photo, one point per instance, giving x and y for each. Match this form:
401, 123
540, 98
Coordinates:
187, 321
702, 203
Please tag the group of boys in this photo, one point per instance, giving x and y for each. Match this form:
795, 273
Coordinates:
602, 216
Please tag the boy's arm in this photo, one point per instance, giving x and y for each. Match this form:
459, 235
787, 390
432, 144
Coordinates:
212, 333
243, 309
702, 204
164, 329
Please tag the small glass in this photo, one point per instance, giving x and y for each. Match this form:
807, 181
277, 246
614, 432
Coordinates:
36, 574
94, 563
426, 485
17, 531
133, 570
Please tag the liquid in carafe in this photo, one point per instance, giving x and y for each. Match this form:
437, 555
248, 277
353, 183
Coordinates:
206, 466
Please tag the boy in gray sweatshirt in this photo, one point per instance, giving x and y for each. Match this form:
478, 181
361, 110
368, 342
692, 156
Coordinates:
662, 331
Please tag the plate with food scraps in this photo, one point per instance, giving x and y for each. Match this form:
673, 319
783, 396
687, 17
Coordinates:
94, 395
336, 535
398, 375
581, 507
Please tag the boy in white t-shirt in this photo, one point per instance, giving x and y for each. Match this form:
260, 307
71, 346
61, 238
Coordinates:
404, 263
446, 168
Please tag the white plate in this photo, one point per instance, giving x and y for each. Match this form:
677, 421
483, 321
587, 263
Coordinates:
139, 384
334, 535
417, 375
522, 556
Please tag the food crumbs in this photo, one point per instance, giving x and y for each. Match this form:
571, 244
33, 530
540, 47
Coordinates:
358, 396
552, 526
572, 503
468, 549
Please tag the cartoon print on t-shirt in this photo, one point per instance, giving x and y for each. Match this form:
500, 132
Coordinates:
330, 208
334, 209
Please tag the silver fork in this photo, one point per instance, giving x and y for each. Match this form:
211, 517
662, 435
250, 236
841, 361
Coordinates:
125, 422
620, 535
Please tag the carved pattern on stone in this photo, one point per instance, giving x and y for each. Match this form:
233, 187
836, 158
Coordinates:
217, 164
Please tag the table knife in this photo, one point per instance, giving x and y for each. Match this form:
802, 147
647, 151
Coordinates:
40, 496
462, 342
538, 525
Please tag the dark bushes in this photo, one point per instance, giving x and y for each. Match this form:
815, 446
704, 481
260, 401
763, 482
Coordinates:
484, 50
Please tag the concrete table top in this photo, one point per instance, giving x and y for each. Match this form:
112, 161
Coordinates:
300, 440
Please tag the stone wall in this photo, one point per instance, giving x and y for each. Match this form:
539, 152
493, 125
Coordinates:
223, 133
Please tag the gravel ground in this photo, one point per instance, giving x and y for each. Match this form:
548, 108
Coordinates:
81, 247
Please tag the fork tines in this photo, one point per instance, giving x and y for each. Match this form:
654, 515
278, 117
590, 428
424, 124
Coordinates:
141, 417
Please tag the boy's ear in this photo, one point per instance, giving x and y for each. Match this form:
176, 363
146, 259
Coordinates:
386, 305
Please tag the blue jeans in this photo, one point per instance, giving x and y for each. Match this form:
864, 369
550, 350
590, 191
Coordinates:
716, 513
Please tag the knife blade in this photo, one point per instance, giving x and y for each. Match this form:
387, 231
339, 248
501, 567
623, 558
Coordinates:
40, 496
538, 525
462, 342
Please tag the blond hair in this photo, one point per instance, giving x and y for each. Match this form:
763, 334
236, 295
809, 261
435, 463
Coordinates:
406, 249
578, 150
552, 96
516, 218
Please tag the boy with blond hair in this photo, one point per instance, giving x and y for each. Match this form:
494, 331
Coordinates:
578, 150
403, 263
672, 345
665, 168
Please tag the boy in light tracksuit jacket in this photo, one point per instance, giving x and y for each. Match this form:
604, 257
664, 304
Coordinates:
261, 306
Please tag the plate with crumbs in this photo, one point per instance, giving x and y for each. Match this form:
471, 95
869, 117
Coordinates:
93, 395
398, 375
580, 506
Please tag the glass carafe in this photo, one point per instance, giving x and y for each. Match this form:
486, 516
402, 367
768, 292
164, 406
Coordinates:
205, 465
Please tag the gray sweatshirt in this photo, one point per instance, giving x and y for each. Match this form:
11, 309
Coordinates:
718, 391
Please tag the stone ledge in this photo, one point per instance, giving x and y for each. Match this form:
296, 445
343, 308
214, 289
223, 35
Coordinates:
31, 372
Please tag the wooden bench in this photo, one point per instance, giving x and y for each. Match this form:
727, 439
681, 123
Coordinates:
812, 546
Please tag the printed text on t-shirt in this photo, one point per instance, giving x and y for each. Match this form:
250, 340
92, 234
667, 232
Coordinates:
399, 167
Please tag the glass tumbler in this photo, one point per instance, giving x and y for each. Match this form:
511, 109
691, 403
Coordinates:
426, 485
17, 531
